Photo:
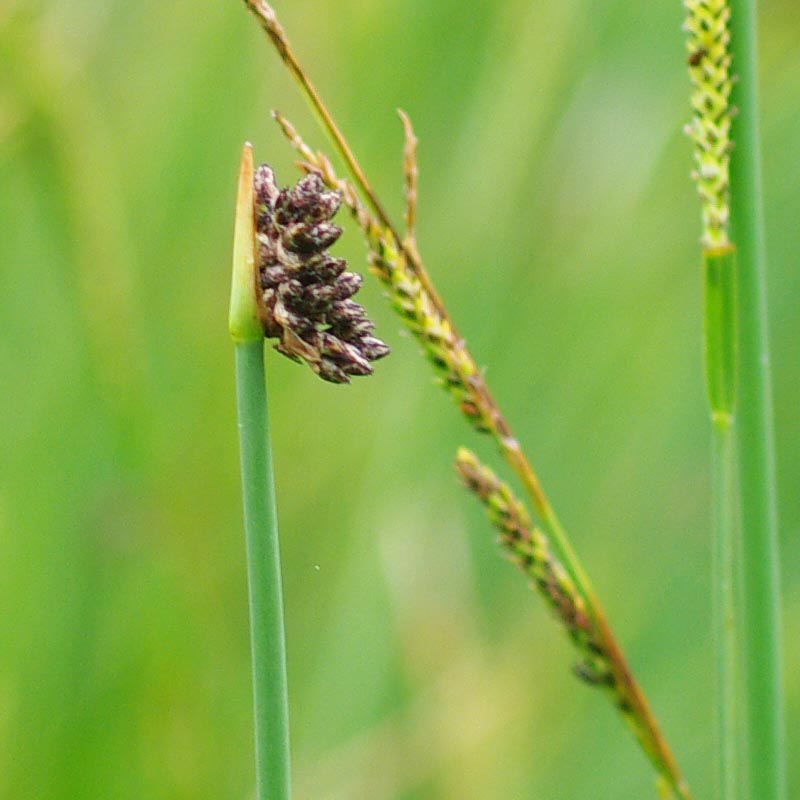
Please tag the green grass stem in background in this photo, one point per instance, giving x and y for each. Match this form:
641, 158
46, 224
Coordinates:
728, 718
755, 436
709, 63
267, 639
720, 345
719, 329
737, 364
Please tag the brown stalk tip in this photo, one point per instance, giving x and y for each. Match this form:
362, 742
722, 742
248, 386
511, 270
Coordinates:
304, 293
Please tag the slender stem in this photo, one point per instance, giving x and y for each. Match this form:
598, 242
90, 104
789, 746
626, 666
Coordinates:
761, 590
725, 630
268, 649
720, 329
264, 577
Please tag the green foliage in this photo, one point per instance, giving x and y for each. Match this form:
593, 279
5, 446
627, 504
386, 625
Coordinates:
556, 216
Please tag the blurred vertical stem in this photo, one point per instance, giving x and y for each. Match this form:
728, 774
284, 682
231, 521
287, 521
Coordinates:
267, 638
761, 591
720, 340
724, 608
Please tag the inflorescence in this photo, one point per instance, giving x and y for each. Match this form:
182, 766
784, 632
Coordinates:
709, 64
529, 549
305, 294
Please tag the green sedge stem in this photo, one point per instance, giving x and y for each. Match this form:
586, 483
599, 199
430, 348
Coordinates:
720, 328
267, 640
761, 590
264, 577
725, 622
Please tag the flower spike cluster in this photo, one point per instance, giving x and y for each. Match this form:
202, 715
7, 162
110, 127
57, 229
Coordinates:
709, 64
529, 549
304, 292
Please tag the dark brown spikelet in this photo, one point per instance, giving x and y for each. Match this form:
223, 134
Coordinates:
305, 294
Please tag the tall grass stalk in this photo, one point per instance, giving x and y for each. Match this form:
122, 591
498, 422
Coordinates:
755, 439
720, 346
267, 639
708, 44
720, 341
397, 263
728, 722
722, 37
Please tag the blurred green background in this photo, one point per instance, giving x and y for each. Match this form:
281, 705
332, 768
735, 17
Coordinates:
558, 218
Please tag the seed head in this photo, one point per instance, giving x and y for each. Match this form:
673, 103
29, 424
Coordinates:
529, 548
709, 63
304, 292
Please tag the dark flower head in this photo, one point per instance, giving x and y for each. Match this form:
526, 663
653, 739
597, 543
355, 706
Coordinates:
304, 292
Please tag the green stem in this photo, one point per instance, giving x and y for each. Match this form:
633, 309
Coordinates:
264, 577
720, 326
720, 329
762, 646
725, 623
268, 649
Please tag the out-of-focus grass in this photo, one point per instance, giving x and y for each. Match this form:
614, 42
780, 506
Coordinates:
557, 217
